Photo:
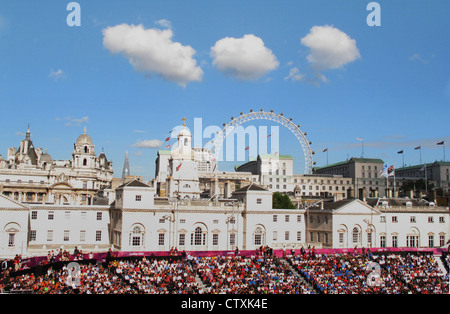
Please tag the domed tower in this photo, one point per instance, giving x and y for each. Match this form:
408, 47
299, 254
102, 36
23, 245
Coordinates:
183, 180
83, 155
45, 161
184, 146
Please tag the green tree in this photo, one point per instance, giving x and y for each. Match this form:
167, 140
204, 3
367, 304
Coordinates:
282, 201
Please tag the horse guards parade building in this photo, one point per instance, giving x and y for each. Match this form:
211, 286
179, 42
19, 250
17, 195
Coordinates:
48, 204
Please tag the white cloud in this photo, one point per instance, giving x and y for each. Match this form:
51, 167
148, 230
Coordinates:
295, 75
148, 144
152, 51
164, 23
330, 48
243, 58
57, 75
418, 57
73, 121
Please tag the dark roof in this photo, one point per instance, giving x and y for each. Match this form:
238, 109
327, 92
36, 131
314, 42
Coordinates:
135, 183
337, 204
352, 160
396, 201
251, 187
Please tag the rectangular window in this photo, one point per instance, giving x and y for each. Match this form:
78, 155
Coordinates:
394, 219
32, 235
412, 219
182, 239
49, 235
341, 237
286, 218
232, 238
11, 239
430, 219
215, 239
441, 240
286, 235
34, 215
431, 241
258, 200
66, 235
394, 241
383, 241
99, 215
274, 218
98, 235
138, 198
299, 236
161, 238
136, 240
412, 241
299, 218
275, 236
51, 215
82, 235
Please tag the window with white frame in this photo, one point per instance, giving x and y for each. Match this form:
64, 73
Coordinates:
98, 235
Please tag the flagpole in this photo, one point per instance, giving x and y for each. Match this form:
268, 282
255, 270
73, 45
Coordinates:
443, 148
362, 148
394, 182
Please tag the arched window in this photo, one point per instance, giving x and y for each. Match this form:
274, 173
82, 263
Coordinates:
84, 162
355, 234
136, 237
259, 236
198, 236
185, 142
86, 149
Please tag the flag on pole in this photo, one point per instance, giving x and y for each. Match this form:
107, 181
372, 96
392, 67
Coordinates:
418, 147
359, 138
167, 138
178, 167
440, 143
391, 171
326, 149
400, 152
269, 135
168, 146
384, 171
247, 148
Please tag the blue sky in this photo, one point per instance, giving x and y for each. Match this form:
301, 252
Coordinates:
316, 61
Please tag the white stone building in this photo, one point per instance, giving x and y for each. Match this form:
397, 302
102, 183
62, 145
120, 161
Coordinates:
141, 222
29, 175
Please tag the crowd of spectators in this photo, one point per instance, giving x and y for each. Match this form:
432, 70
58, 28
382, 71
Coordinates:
249, 275
92, 279
157, 276
366, 273
262, 273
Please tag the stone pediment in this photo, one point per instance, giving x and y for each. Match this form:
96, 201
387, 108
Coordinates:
356, 207
61, 186
8, 203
